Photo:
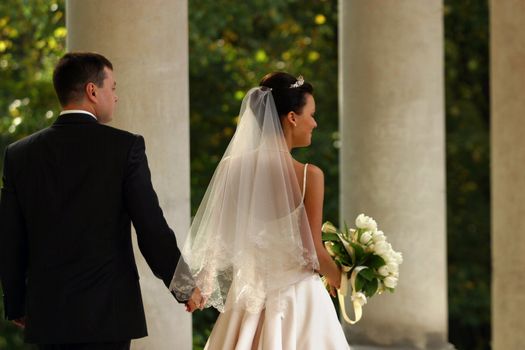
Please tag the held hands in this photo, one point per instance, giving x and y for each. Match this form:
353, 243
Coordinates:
20, 322
197, 301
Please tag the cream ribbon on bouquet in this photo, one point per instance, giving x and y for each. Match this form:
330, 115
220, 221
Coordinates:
358, 298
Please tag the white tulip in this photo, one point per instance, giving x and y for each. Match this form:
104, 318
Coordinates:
328, 246
360, 298
365, 237
384, 270
382, 248
393, 267
389, 255
328, 227
360, 221
378, 236
365, 222
398, 257
386, 255
390, 282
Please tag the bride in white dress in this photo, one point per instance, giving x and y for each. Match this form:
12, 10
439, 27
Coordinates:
254, 248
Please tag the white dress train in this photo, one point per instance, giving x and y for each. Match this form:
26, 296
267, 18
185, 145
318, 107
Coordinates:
308, 321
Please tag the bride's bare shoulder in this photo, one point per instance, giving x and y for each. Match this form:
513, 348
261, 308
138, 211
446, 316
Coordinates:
314, 170
314, 184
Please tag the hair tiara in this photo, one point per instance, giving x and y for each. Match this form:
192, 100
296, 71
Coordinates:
298, 82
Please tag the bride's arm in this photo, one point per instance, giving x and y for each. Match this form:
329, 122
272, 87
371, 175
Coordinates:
313, 202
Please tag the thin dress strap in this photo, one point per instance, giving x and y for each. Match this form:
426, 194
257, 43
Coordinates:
304, 180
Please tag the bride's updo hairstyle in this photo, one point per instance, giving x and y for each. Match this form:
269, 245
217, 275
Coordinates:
289, 92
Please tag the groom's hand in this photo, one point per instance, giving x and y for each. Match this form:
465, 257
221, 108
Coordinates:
196, 301
20, 322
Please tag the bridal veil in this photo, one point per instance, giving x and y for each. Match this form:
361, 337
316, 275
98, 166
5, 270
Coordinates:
250, 235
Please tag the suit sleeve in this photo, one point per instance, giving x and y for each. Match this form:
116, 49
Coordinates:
156, 240
13, 248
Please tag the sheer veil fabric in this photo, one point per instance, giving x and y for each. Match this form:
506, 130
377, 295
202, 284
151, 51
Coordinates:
250, 236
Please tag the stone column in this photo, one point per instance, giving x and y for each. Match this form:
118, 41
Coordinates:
393, 160
147, 42
507, 44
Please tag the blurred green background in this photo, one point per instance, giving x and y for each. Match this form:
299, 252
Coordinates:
232, 45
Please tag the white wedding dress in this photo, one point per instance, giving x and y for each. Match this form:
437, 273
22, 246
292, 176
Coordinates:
250, 248
298, 317
307, 322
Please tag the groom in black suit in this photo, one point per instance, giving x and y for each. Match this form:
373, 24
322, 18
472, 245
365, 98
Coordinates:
70, 193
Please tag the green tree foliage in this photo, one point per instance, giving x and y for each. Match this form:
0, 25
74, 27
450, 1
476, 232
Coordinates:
468, 187
32, 38
232, 46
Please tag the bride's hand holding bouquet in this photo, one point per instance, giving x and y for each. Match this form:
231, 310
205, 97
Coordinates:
331, 275
367, 262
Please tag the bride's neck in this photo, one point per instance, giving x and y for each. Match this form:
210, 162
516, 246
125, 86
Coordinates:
289, 142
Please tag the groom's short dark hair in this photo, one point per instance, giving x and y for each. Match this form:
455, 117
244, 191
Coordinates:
74, 71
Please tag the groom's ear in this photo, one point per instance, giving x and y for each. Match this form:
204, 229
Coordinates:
91, 92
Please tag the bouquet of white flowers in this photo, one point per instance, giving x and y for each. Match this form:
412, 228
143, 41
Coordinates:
366, 259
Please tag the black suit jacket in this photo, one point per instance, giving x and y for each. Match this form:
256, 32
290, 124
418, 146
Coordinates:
70, 194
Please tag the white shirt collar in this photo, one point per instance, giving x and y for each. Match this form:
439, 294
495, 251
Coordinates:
71, 111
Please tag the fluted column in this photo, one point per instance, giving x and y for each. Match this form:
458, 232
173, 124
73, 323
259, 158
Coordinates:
393, 160
147, 42
507, 172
